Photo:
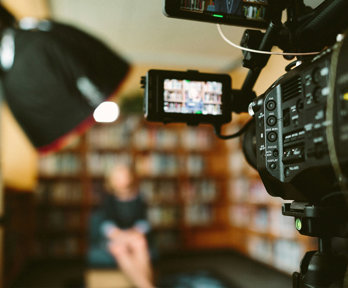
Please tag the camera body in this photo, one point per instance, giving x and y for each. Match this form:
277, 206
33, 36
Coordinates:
298, 136
187, 97
301, 129
301, 122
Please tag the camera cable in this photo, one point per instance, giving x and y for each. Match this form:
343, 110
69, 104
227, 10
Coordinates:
217, 130
223, 36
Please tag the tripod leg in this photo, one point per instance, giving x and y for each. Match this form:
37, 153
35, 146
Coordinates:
319, 270
296, 280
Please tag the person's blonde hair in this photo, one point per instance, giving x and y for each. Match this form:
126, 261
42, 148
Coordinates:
117, 166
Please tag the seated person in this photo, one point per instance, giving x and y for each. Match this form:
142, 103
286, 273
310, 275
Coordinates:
123, 229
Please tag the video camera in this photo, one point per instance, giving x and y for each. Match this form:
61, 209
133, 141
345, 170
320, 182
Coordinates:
298, 133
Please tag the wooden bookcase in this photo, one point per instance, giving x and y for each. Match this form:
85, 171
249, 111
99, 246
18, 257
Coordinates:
255, 9
258, 226
200, 191
181, 173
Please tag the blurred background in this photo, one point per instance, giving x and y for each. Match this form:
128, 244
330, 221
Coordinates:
205, 204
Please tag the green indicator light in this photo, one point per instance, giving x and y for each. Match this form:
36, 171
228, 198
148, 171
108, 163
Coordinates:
218, 16
298, 224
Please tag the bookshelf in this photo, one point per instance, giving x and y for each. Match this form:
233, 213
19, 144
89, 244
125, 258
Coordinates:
180, 171
201, 193
255, 9
262, 232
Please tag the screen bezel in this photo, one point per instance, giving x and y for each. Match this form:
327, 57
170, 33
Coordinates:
171, 8
170, 117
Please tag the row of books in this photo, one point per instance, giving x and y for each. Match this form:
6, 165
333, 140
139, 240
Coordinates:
173, 96
252, 191
185, 108
237, 163
197, 5
197, 86
160, 191
113, 136
202, 191
193, 215
159, 164
186, 97
155, 139
156, 164
64, 192
283, 254
254, 12
198, 215
60, 164
212, 98
108, 137
197, 139
99, 164
60, 220
169, 191
118, 137
163, 216
58, 247
263, 219
173, 84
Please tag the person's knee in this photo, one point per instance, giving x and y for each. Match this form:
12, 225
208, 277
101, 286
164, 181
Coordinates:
117, 250
140, 242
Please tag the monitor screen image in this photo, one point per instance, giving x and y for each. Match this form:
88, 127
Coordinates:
250, 9
192, 97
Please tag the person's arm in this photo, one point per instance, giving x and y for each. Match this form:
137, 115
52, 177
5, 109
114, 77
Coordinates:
107, 228
143, 226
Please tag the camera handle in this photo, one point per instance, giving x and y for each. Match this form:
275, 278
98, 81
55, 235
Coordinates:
322, 268
240, 99
255, 62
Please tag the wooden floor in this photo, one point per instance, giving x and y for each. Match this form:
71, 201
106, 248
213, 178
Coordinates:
241, 271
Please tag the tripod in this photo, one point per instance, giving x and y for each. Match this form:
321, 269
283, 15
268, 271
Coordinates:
325, 267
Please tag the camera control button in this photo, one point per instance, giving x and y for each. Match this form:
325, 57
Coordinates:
271, 105
271, 120
273, 166
272, 136
287, 172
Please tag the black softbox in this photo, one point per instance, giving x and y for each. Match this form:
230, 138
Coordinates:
58, 76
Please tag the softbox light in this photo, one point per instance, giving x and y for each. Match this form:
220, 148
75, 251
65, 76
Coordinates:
55, 79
